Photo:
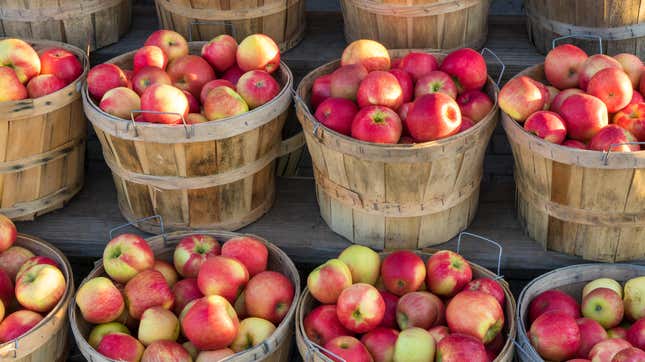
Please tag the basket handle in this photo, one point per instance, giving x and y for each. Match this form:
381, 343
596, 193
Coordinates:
493, 242
501, 72
10, 350
524, 352
605, 154
555, 41
133, 223
190, 129
313, 348
193, 23
298, 101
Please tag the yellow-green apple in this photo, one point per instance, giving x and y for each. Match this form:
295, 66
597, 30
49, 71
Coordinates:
360, 308
520, 97
158, 324
6, 288
614, 137
403, 272
12, 259
613, 87
563, 65
603, 283
553, 300
190, 73
258, 52
632, 65
7, 230
475, 313
210, 323
575, 144
166, 351
337, 114
268, 295
328, 280
44, 84
36, 260
547, 125
418, 64
347, 349
561, 97
380, 343
377, 124
125, 256
121, 347
345, 81
474, 104
555, 336
167, 99
604, 306
149, 56
553, 92
604, 351
435, 82
467, 67
172, 43
380, 88
459, 347
363, 262
18, 323
233, 74
322, 325
439, 332
192, 350
223, 276
212, 85
167, 270
414, 344
218, 355
369, 53
417, 309
185, 291
593, 65
257, 87
389, 317
220, 51
448, 273
223, 102
432, 117
591, 332
104, 77
21, 57
147, 289
99, 300
99, 331
488, 286
631, 354
636, 334
240, 306
406, 83
633, 300
320, 90
60, 62
252, 332
40, 287
636, 97
192, 251
617, 332
196, 118
584, 115
147, 77
120, 102
632, 118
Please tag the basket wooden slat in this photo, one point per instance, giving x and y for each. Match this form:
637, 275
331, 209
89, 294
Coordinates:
275, 349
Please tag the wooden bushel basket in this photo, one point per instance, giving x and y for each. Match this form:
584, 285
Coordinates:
578, 202
219, 174
282, 20
42, 147
47, 341
275, 349
83, 23
395, 196
417, 24
570, 280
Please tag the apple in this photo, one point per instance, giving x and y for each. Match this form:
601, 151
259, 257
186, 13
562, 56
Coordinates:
125, 256
636, 97
632, 118
251, 333
345, 81
591, 332
147, 289
363, 262
104, 77
380, 88
120, 102
99, 301
13, 258
60, 62
417, 309
165, 351
18, 323
190, 73
575, 144
448, 273
561, 97
360, 308
602, 283
149, 56
439, 333
233, 74
223, 276
418, 64
617, 332
403, 115
547, 125
223, 102
320, 90
614, 137
220, 52
209, 323
44, 84
12, 89
403, 272
405, 81
8, 231
172, 43
604, 306
192, 251
40, 287
98, 332
158, 324
475, 105
377, 124
21, 57
167, 270
193, 104
328, 280
520, 97
593, 65
249, 251
121, 347
633, 302
147, 77
380, 343
433, 116
553, 92
636, 334
435, 82
6, 288
389, 317
563, 65
461, 347
257, 87
488, 286
348, 349
467, 67
555, 336
268, 295
585, 116
218, 355
337, 114
212, 85
630, 354
169, 102
613, 87
258, 52
475, 313
369, 53
414, 344
604, 351
632, 66
553, 300
322, 325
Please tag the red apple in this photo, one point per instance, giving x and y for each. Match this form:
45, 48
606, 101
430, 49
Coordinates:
165, 351
104, 77
593, 65
212, 85
636, 98
575, 144
349, 349
125, 256
403, 272
328, 280
192, 251
435, 82
561, 97
21, 57
269, 295
249, 251
380, 88
7, 232
547, 125
553, 300
223, 102
553, 92
389, 317
613, 87
164, 98
322, 325
377, 124
636, 334
210, 323
432, 117
6, 288
591, 332
12, 89
603, 305
418, 64
120, 102
360, 308
520, 97
190, 73
184, 292
632, 118
584, 115
403, 114
460, 347
369, 53
258, 52
149, 56
555, 336
337, 114
617, 332
121, 347
466, 123
147, 289
233, 74
380, 343
467, 67
488, 286
60, 62
563, 65
448, 273
257, 87
193, 103
320, 90
475, 313
147, 77
195, 118
220, 52
172, 43
614, 137
223, 276
405, 81
99, 301
630, 354
417, 309
439, 332
475, 105
632, 65
605, 351
345, 81
18, 323
13, 258
167, 270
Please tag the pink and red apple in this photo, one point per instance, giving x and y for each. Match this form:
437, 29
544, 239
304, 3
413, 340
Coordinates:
148, 76
520, 97
369, 53
164, 98
632, 65
147, 289
607, 349
257, 87
561, 97
18, 323
104, 77
192, 251
220, 52
233, 74
258, 52
380, 343
320, 90
418, 64
172, 43
190, 73
349, 349
40, 287
591, 332
405, 81
99, 301
547, 125
210, 323
184, 292
120, 102
476, 314
563, 65
212, 85
604, 306
249, 251
360, 308
593, 65
149, 56
322, 325
223, 276
632, 118
125, 256
585, 115
13, 258
613, 87
223, 102
488, 286
44, 84
377, 124
166, 351
403, 272
328, 280
555, 336
614, 138
432, 117
337, 114
61, 63
553, 300
380, 88
269, 295
345, 81
121, 347
448, 273
435, 82
21, 57
417, 309
475, 105
8, 232
467, 67
12, 89
461, 347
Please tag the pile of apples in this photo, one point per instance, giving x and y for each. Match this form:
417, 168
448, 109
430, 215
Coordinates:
216, 299
592, 102
165, 78
412, 99
608, 325
38, 280
25, 73
402, 309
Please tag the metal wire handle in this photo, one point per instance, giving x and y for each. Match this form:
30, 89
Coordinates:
313, 348
190, 129
226, 24
298, 100
498, 245
605, 154
501, 73
524, 352
579, 36
133, 223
